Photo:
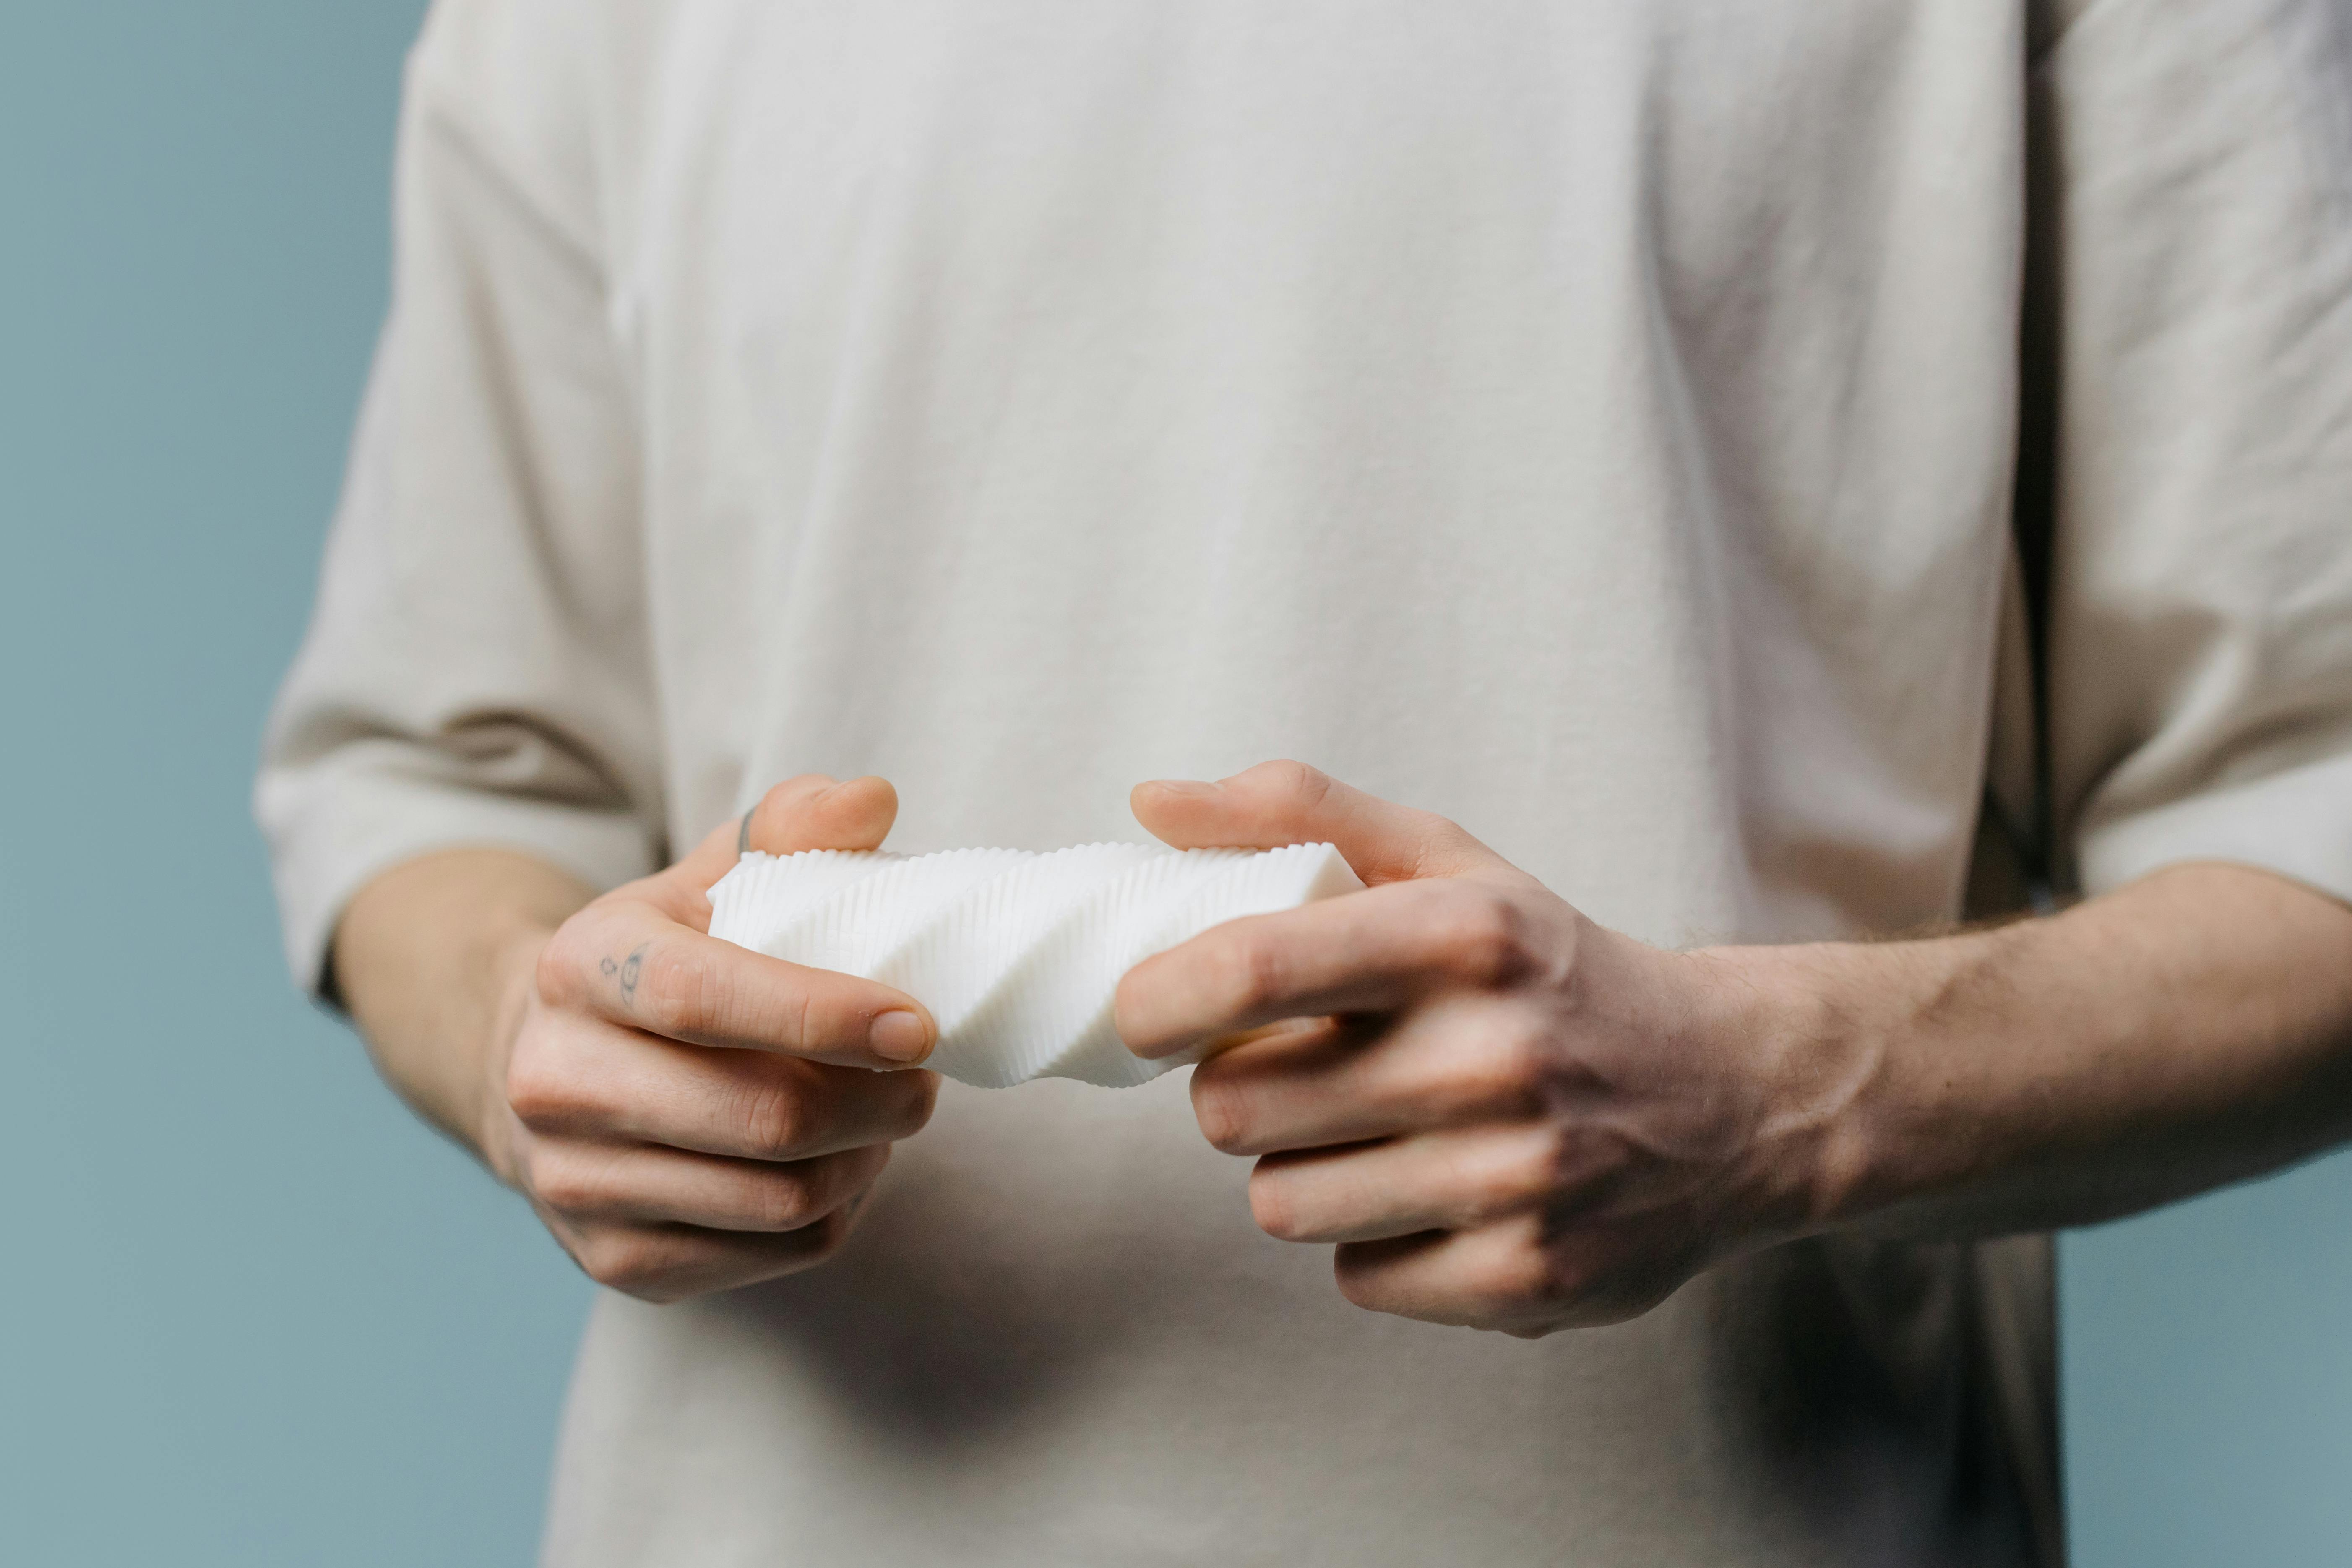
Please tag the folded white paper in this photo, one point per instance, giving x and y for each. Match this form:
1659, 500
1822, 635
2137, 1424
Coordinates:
1016, 954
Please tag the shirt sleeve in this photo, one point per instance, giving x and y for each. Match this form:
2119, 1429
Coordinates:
2189, 435
476, 671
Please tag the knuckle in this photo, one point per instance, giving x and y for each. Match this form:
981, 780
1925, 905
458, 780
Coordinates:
1253, 971
832, 1234
784, 1201
922, 1092
1530, 1276
565, 1183
674, 991
902, 1105
626, 1262
1275, 1207
1437, 831
1483, 937
1308, 786
1223, 1110
546, 1088
1507, 1073
556, 975
823, 1239
1359, 1282
776, 1119
802, 1033
1553, 1167
1571, 1279
1523, 1058
537, 1089
1524, 1054
1507, 1187
827, 1013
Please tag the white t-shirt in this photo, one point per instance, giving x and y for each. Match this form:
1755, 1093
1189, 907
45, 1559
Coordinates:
1598, 421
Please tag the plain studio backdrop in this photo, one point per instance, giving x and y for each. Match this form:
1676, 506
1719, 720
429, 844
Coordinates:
251, 1313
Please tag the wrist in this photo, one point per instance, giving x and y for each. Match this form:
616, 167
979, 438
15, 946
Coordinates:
1881, 1069
1812, 1025
437, 957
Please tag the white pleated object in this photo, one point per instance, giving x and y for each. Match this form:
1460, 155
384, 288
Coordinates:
1016, 954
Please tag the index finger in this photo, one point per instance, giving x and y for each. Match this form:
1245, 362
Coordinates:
629, 962
1369, 952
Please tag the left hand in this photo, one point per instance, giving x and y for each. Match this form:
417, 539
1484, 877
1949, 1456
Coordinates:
1505, 1115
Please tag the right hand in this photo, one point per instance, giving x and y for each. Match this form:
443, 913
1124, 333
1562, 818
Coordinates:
686, 1115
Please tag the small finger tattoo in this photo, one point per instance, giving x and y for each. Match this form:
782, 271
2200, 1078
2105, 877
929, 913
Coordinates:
627, 969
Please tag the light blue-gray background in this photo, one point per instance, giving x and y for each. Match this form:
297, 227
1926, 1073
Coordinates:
249, 1313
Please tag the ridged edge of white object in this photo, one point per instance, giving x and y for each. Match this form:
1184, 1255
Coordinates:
1017, 954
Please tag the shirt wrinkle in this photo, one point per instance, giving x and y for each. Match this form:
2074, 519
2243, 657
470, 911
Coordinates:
440, 108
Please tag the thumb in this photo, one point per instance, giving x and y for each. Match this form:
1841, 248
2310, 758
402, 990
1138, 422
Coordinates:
810, 812
1275, 804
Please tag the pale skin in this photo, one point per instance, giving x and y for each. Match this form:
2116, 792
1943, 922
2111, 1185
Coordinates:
1494, 1110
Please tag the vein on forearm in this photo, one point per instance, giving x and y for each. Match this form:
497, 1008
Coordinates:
2189, 1030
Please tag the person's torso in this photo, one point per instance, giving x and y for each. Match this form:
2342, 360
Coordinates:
1590, 420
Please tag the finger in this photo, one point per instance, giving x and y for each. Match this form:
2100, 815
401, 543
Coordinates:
1453, 1061
593, 1183
813, 812
671, 1263
1430, 1181
810, 812
1477, 1279
1519, 1275
1372, 950
1275, 803
593, 1079
624, 961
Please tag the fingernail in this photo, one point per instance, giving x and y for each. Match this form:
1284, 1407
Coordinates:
901, 1037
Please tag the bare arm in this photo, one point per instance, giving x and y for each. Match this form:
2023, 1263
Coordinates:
2191, 1029
1507, 1116
435, 959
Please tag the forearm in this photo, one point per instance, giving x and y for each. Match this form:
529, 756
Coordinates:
432, 959
2188, 1030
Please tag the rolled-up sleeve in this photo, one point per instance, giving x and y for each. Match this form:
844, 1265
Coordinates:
476, 670
2192, 244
